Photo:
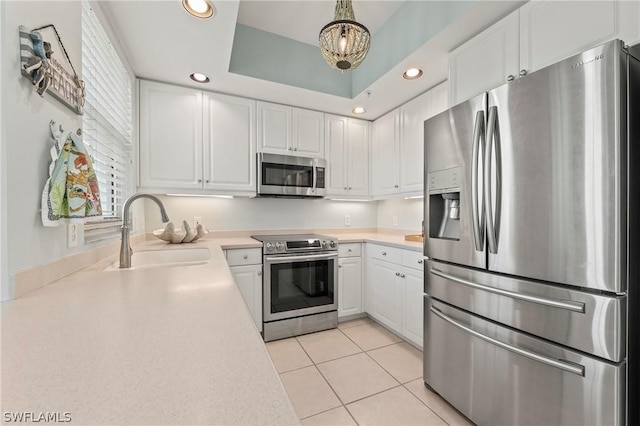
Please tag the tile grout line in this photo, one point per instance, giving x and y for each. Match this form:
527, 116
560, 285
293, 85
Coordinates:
425, 404
389, 373
326, 381
362, 350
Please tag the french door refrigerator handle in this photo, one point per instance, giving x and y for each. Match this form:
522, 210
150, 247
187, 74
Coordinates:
493, 139
561, 364
478, 146
568, 305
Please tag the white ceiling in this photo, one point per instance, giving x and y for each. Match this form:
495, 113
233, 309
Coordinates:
164, 43
302, 20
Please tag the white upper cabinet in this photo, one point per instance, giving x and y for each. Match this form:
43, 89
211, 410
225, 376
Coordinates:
308, 133
358, 157
200, 143
385, 156
412, 117
274, 128
170, 137
229, 143
336, 145
347, 153
486, 61
398, 154
290, 131
553, 30
540, 33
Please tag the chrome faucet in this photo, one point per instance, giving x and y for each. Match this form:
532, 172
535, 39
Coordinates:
125, 247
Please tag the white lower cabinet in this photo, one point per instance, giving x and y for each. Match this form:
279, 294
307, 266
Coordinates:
248, 277
384, 293
349, 279
349, 286
412, 314
394, 290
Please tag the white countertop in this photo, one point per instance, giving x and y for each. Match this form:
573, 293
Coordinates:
150, 346
386, 239
169, 345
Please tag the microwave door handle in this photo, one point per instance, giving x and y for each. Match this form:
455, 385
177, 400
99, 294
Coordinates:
314, 178
478, 147
493, 139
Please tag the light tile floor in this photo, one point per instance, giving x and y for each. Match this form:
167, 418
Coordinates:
358, 374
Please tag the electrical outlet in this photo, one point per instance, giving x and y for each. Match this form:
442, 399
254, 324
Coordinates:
347, 220
72, 235
197, 220
395, 221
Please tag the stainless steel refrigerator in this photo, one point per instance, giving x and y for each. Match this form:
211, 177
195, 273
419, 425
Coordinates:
532, 239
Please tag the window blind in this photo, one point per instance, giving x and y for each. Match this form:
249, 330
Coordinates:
107, 122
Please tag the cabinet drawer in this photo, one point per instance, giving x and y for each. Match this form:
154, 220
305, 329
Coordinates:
239, 257
349, 250
413, 259
389, 254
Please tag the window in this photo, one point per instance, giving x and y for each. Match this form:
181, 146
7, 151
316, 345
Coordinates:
106, 123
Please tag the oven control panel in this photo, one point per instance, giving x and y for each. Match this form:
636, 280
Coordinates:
302, 245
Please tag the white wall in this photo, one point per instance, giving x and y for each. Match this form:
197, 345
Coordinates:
4, 284
409, 213
261, 213
24, 155
26, 119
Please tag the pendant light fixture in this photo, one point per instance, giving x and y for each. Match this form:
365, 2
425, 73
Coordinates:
344, 43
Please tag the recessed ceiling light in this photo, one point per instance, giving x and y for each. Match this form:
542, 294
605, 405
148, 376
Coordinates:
412, 74
358, 110
199, 77
199, 8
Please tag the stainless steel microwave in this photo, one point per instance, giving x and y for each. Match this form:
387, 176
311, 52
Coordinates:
289, 176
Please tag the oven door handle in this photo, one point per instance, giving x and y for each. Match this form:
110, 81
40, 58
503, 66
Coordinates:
301, 258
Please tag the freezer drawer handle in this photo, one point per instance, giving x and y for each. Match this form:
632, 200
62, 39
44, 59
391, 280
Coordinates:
568, 366
477, 216
571, 306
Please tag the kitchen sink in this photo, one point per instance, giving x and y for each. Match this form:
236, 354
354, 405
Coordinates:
164, 258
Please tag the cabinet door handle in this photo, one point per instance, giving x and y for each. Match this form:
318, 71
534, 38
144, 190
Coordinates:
402, 275
199, 180
339, 266
420, 262
523, 73
345, 188
259, 274
350, 188
207, 180
510, 77
395, 186
384, 253
397, 274
349, 250
245, 257
295, 149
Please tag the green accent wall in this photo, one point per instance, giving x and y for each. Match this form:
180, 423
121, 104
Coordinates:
272, 57
408, 29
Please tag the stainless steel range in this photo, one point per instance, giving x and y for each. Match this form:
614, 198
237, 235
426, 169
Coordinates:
299, 284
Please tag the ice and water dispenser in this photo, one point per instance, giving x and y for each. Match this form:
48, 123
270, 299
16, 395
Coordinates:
444, 203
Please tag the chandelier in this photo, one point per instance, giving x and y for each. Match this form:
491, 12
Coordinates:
344, 43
